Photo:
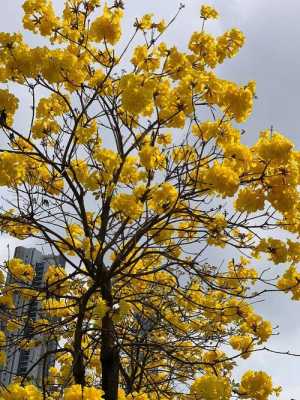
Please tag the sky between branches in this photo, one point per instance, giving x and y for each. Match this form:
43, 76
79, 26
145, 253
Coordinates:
271, 56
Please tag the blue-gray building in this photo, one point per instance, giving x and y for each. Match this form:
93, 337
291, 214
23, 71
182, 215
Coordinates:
20, 361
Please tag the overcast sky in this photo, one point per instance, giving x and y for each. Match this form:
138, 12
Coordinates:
271, 56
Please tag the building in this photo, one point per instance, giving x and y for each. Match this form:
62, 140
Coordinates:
22, 362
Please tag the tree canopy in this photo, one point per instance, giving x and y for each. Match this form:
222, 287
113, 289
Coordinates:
131, 164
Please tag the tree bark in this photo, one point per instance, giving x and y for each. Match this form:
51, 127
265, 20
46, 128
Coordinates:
110, 361
78, 356
79, 369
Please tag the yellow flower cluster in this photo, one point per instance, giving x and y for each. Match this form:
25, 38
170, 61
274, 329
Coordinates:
2, 346
257, 385
8, 104
77, 392
107, 27
183, 154
39, 16
151, 157
290, 281
250, 200
244, 344
2, 358
215, 230
85, 133
163, 197
15, 391
127, 205
238, 102
52, 106
214, 51
63, 66
6, 299
203, 45
109, 162
162, 233
2, 339
145, 60
55, 278
99, 311
56, 308
275, 248
237, 276
137, 94
20, 270
208, 12
18, 168
146, 23
13, 169
130, 173
229, 44
44, 127
222, 179
13, 325
211, 387
273, 146
255, 325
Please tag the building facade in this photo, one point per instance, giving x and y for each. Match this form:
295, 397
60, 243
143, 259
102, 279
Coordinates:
21, 362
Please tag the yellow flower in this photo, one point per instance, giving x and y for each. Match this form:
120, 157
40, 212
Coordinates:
162, 233
56, 308
165, 138
151, 157
52, 106
216, 230
137, 94
208, 12
2, 358
55, 279
275, 248
130, 173
273, 146
163, 197
99, 311
244, 344
206, 130
203, 45
144, 60
20, 271
290, 281
2, 278
237, 102
77, 392
13, 325
211, 387
257, 385
2, 339
8, 105
250, 200
107, 27
146, 22
127, 205
39, 15
228, 45
43, 127
222, 179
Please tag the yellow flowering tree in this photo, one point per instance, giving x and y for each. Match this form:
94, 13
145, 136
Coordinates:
131, 170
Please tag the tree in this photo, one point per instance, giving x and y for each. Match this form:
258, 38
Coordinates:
131, 170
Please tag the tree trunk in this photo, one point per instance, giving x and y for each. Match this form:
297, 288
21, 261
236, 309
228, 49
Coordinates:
78, 357
79, 369
110, 361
